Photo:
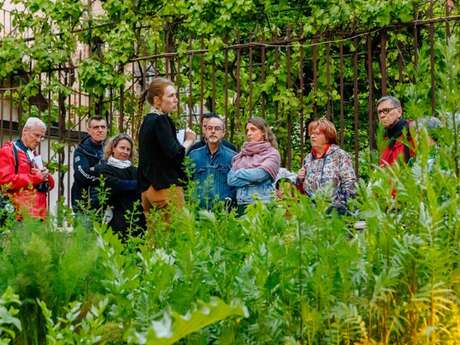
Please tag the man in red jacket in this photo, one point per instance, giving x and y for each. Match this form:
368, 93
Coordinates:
22, 174
399, 141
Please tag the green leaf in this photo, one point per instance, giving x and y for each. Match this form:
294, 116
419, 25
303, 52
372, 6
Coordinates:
173, 326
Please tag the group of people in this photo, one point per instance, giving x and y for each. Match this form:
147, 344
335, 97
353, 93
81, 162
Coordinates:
221, 173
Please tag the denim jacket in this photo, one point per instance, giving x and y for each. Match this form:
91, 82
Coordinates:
210, 173
252, 184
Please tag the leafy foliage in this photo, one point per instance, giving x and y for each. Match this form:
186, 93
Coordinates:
304, 276
9, 323
166, 331
293, 74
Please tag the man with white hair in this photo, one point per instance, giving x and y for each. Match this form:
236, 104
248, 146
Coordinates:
22, 174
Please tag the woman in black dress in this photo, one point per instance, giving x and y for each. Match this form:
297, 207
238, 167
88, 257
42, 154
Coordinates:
120, 176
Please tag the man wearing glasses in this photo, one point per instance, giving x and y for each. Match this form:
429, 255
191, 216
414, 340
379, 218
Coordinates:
86, 156
22, 171
202, 142
211, 164
399, 145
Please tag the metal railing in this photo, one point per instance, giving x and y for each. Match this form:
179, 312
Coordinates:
288, 79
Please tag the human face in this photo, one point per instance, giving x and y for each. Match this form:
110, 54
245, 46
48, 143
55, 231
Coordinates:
33, 136
122, 150
254, 134
214, 131
97, 130
317, 139
388, 113
167, 103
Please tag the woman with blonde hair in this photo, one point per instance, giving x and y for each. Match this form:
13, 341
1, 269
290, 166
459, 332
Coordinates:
121, 181
161, 156
255, 168
327, 167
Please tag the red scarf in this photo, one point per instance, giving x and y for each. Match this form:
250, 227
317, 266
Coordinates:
318, 155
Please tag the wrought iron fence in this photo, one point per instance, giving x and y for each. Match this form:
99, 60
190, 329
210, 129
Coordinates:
287, 78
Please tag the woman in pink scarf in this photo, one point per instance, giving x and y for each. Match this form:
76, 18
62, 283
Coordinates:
255, 168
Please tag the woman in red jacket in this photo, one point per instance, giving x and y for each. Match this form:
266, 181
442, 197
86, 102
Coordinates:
22, 175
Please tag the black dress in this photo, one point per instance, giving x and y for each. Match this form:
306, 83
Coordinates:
123, 193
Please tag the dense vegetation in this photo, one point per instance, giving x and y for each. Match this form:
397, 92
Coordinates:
284, 273
297, 75
303, 277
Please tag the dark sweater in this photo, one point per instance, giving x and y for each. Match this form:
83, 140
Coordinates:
122, 194
161, 156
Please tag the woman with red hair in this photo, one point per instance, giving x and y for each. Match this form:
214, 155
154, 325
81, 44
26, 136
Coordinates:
327, 168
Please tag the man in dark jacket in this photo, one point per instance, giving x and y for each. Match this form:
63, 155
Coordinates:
87, 155
399, 141
204, 120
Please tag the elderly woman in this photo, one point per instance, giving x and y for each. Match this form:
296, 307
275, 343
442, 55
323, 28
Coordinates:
327, 167
255, 168
121, 181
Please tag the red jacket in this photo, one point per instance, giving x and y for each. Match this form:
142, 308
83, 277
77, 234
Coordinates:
22, 187
400, 144
398, 151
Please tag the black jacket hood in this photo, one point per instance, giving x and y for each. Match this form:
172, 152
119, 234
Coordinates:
90, 148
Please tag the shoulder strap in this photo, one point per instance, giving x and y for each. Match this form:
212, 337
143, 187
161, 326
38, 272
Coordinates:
16, 159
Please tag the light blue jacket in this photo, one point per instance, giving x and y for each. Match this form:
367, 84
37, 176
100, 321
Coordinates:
251, 184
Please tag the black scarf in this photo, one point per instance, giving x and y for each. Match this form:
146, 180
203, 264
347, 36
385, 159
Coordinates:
396, 130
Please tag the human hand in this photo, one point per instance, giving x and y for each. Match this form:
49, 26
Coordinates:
279, 194
301, 174
189, 135
43, 173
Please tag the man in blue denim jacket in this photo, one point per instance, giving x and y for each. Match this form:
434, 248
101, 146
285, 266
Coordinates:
212, 163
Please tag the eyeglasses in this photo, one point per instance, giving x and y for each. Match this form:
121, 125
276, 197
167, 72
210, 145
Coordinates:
385, 110
38, 136
214, 128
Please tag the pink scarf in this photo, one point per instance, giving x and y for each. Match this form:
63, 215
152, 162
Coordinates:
259, 154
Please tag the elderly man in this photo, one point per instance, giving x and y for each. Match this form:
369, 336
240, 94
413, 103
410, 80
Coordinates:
204, 121
399, 141
212, 163
22, 174
87, 155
